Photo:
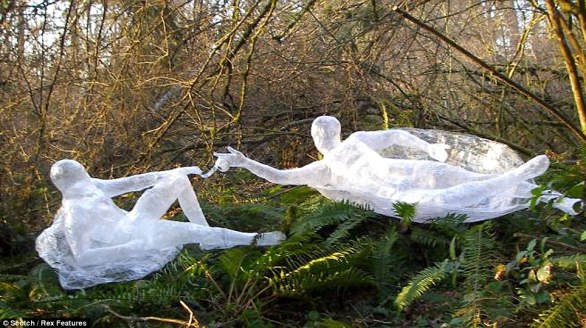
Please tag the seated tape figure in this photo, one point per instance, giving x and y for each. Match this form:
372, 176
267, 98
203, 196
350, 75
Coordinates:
93, 241
356, 170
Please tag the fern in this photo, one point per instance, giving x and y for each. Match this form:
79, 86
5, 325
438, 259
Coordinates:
474, 265
405, 211
332, 268
6, 312
481, 297
233, 263
299, 283
300, 246
421, 283
343, 230
477, 255
315, 218
428, 238
567, 312
383, 259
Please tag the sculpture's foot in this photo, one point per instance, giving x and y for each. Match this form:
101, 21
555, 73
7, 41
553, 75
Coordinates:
533, 168
572, 206
270, 238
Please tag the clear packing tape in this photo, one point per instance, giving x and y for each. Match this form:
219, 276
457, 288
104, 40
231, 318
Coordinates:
440, 172
92, 241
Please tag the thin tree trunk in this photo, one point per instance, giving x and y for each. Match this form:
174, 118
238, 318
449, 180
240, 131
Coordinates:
574, 76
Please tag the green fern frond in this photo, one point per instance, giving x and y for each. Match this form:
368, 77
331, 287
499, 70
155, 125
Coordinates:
477, 255
295, 195
421, 283
327, 213
343, 230
233, 261
301, 282
384, 260
476, 266
194, 267
429, 239
450, 225
567, 312
342, 255
46, 282
405, 211
296, 247
337, 266
6, 312
294, 252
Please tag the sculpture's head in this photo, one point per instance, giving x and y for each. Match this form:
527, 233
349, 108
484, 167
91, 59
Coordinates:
326, 132
65, 173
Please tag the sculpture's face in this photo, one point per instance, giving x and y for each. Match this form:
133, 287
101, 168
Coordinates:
65, 173
326, 131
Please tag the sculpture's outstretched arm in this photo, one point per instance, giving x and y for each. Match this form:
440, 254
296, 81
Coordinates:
386, 138
297, 176
139, 182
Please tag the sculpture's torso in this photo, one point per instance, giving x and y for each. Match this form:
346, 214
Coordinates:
353, 164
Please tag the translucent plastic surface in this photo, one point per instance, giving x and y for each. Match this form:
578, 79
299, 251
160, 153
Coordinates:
93, 241
440, 172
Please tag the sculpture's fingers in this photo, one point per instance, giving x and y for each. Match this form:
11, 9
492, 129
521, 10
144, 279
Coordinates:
222, 155
210, 172
232, 150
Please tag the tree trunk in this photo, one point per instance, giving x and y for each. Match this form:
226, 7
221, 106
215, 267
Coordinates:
554, 18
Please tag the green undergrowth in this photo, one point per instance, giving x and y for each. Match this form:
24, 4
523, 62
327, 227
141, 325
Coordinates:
341, 266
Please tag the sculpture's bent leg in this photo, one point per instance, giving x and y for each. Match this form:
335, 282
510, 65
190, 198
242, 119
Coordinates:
473, 192
155, 202
190, 205
173, 233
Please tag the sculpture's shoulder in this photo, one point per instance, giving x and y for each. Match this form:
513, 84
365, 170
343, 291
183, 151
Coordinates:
357, 136
354, 144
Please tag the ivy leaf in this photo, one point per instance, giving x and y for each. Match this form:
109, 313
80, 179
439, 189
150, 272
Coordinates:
544, 274
531, 245
583, 236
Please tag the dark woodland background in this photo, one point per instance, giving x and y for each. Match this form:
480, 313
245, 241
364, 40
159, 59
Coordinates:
127, 87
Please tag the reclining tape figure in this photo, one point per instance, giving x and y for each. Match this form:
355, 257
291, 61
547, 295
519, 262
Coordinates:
93, 241
451, 174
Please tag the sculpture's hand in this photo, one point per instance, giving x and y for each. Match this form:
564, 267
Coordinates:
438, 152
226, 161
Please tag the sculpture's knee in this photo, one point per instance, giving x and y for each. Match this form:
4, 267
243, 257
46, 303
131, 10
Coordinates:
443, 199
174, 181
464, 195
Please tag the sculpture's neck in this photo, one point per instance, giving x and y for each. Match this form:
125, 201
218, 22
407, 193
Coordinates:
80, 189
324, 146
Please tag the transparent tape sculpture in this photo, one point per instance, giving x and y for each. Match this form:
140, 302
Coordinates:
439, 172
93, 241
